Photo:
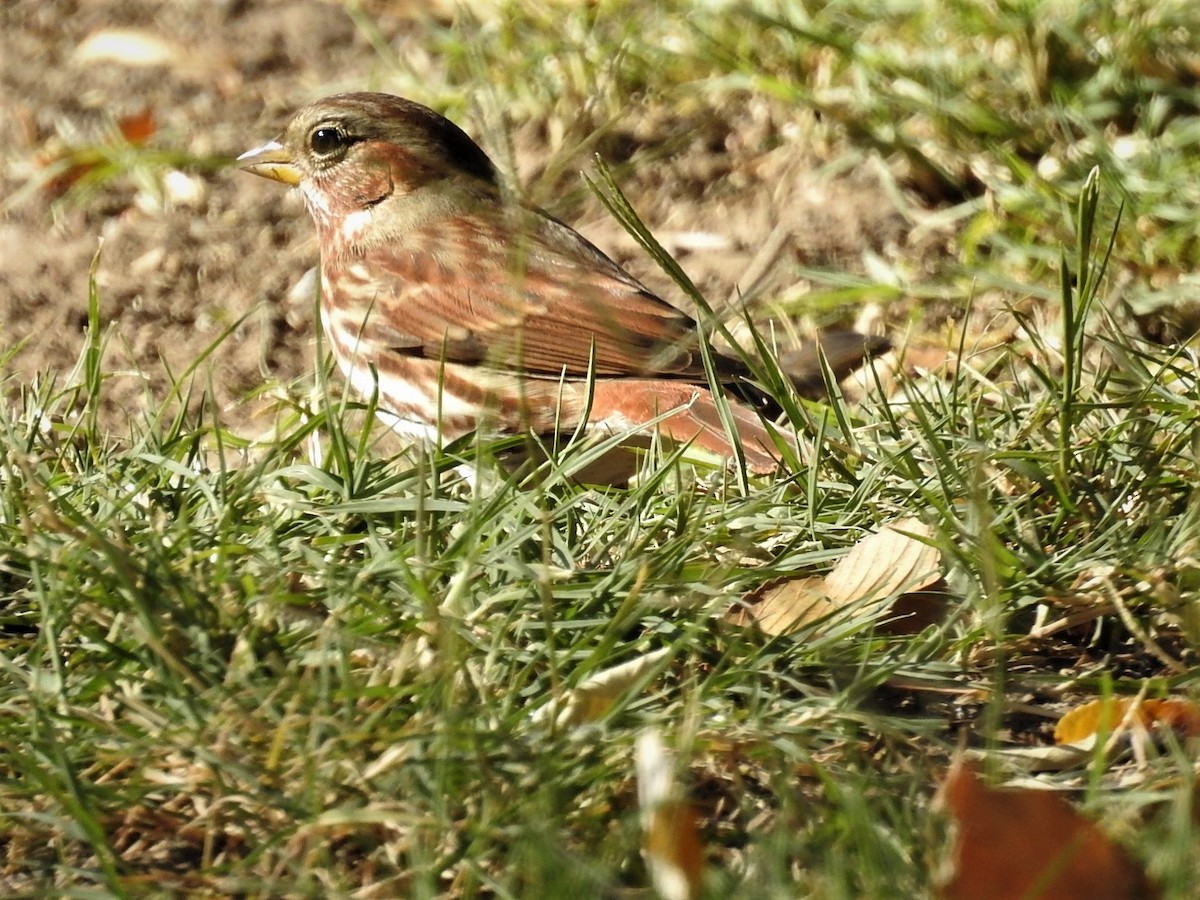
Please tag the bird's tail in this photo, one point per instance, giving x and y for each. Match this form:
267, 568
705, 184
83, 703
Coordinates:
844, 351
688, 413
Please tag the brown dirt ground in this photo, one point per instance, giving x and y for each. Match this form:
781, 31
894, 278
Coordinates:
180, 264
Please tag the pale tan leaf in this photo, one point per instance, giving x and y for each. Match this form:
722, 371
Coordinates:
783, 605
1050, 758
595, 695
886, 563
128, 47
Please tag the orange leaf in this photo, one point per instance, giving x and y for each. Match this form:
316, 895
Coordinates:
673, 851
1083, 722
78, 162
670, 840
138, 128
1022, 843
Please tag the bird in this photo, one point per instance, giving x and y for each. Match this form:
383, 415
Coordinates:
463, 309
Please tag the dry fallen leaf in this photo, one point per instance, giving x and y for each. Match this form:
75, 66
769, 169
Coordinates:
892, 563
1025, 843
892, 560
128, 47
670, 841
1085, 721
206, 62
782, 605
595, 695
1039, 758
76, 162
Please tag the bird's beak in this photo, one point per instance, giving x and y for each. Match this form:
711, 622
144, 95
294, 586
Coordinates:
272, 161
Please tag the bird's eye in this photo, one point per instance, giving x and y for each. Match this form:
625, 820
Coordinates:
327, 140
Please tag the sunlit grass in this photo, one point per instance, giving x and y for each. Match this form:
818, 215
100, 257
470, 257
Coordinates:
304, 665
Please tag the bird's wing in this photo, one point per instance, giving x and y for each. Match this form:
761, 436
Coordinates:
546, 303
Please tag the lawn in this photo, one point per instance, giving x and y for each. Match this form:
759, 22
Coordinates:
256, 647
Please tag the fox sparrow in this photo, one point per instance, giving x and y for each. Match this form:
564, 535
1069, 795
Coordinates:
466, 310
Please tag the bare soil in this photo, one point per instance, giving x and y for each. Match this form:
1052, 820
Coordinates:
185, 254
